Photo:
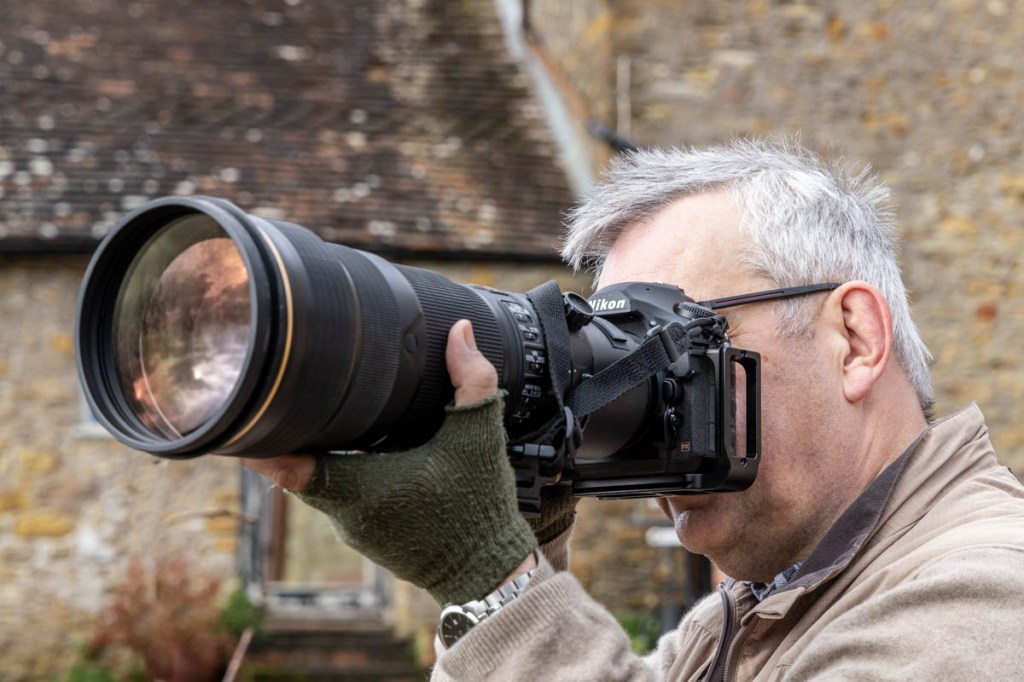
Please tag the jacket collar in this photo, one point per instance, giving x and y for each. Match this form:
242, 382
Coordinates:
921, 471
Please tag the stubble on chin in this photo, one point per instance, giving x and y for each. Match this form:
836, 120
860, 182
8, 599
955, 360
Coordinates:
740, 543
693, 524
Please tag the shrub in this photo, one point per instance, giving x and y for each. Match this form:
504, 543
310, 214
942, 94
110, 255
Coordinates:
643, 630
166, 614
239, 612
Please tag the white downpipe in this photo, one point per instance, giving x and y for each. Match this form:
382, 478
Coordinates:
574, 152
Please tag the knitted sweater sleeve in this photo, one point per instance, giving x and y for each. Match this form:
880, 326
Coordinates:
555, 631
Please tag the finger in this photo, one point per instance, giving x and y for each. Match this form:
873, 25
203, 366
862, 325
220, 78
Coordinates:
472, 375
291, 472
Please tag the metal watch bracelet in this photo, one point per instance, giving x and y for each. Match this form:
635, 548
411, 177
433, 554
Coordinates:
458, 619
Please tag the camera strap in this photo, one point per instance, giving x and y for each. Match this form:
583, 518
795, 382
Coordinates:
547, 301
662, 349
541, 464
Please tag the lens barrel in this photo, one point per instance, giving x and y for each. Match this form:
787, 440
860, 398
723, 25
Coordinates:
205, 329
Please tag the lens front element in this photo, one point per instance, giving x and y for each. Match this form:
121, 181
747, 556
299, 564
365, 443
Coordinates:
183, 320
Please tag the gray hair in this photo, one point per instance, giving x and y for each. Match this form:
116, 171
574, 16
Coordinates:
808, 220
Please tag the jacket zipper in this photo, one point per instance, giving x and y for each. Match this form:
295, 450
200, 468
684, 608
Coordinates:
729, 672
725, 640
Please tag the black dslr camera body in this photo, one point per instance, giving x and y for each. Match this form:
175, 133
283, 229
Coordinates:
204, 330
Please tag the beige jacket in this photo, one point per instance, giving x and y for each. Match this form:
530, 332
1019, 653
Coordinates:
922, 578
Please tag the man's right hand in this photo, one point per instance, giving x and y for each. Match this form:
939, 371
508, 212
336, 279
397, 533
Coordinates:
443, 515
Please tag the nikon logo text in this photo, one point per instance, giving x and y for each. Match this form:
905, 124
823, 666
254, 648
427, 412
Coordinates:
603, 305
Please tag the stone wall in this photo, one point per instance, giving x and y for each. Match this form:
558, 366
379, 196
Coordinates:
75, 506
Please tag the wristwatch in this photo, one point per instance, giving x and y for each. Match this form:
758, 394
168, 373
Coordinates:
458, 619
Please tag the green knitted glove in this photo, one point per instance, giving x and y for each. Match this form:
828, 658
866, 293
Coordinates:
442, 516
557, 513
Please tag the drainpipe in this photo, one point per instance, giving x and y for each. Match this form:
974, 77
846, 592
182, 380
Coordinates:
576, 154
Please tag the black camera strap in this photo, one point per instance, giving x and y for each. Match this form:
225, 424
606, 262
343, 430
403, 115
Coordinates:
658, 352
547, 301
542, 463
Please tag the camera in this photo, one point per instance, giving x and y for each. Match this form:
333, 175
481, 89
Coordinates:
205, 330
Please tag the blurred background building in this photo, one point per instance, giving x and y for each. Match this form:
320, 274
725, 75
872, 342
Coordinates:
451, 135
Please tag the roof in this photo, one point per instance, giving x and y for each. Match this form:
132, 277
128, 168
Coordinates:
392, 125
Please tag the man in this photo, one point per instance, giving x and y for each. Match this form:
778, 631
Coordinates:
872, 545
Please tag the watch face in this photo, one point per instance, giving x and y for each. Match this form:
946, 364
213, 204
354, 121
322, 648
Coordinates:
454, 624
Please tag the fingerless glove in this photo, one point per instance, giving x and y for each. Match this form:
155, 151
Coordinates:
442, 515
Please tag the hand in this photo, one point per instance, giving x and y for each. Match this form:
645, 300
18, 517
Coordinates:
444, 515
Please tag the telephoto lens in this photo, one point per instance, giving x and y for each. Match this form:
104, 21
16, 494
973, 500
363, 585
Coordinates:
203, 329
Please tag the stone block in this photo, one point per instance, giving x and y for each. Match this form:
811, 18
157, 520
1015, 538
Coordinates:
63, 343
226, 496
12, 499
221, 524
37, 460
958, 226
1013, 187
42, 523
228, 545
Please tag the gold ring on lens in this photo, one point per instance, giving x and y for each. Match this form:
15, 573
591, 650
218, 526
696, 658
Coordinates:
287, 341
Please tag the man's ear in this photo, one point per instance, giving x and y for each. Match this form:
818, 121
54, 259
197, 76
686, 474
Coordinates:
867, 323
